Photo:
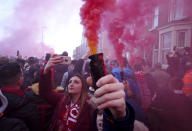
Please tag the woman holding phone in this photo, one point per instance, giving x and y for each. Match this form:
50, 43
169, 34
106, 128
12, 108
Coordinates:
72, 109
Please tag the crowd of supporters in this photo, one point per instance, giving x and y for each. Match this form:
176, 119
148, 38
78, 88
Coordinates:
47, 94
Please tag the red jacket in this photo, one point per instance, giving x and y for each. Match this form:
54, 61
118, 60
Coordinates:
187, 81
85, 121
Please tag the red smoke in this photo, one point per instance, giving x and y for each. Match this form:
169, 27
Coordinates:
23, 42
25, 29
91, 13
128, 24
115, 31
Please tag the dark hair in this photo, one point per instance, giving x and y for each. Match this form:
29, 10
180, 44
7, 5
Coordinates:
9, 73
74, 62
65, 53
32, 60
84, 90
4, 60
34, 72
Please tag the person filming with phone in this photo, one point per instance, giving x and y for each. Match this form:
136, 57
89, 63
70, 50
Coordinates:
61, 68
72, 109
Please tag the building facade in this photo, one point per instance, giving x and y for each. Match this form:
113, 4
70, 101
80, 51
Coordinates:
103, 47
173, 27
81, 49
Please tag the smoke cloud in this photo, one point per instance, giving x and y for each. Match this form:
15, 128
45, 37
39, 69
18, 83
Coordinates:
127, 29
24, 33
124, 20
91, 13
127, 22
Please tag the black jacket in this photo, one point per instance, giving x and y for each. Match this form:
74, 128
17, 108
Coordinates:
21, 107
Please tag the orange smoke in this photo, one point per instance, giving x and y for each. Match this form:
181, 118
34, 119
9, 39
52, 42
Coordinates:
93, 47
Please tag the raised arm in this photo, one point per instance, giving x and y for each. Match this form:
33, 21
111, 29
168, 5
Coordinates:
46, 81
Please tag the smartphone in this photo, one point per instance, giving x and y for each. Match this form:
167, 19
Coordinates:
66, 60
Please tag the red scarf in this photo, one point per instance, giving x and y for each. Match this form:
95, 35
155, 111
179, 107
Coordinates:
68, 118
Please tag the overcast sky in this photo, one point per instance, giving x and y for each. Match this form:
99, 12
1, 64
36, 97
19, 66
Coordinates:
61, 28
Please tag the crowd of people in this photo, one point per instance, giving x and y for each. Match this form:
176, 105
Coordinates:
57, 94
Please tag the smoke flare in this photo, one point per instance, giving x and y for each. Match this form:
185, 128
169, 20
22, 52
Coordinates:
91, 13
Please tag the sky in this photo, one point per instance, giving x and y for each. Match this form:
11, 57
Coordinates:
6, 10
58, 21
64, 31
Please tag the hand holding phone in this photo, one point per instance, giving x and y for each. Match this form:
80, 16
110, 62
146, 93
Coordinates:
66, 60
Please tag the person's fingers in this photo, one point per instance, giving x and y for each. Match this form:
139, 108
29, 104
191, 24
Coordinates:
102, 81
108, 88
53, 55
56, 58
57, 61
106, 80
117, 103
52, 62
109, 96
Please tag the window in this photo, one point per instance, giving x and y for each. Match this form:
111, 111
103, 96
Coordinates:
177, 10
181, 38
166, 40
156, 17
